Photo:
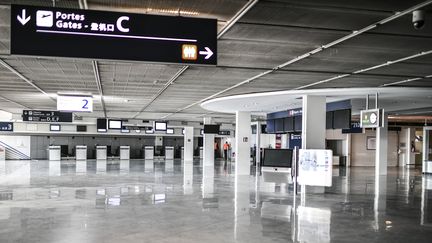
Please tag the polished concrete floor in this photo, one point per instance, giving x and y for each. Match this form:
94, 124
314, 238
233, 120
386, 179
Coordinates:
174, 201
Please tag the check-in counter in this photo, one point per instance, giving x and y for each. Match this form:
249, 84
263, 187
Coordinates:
54, 152
182, 153
201, 152
124, 152
81, 152
276, 174
149, 152
169, 152
101, 152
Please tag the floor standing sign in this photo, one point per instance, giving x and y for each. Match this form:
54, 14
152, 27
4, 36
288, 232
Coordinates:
61, 32
315, 167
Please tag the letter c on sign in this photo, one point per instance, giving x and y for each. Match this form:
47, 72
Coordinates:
119, 23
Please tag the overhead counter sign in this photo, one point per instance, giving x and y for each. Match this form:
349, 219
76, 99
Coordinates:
76, 103
60, 32
371, 118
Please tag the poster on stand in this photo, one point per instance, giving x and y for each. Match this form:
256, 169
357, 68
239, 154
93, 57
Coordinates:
315, 167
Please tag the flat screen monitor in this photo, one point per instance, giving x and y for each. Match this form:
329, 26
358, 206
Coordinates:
170, 131
101, 124
149, 130
115, 124
160, 126
342, 119
211, 129
81, 128
298, 123
55, 127
278, 158
270, 126
329, 120
289, 124
279, 125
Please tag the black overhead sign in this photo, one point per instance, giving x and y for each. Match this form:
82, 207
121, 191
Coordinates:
59, 32
46, 116
6, 127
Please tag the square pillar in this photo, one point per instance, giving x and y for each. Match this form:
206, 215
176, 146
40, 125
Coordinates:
381, 148
242, 145
208, 141
188, 143
314, 122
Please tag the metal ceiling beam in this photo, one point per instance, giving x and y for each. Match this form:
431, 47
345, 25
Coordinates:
227, 27
13, 70
312, 52
406, 81
424, 53
99, 85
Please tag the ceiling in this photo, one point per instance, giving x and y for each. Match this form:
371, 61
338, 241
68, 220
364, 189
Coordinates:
266, 49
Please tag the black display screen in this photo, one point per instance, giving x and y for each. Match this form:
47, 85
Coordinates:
61, 32
342, 119
270, 128
81, 128
289, 124
278, 157
279, 125
101, 124
329, 120
211, 129
298, 125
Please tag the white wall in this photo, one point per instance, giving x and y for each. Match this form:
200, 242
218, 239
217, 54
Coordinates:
20, 143
360, 156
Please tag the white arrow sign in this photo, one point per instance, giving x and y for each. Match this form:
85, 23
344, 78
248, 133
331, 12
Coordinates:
207, 52
22, 19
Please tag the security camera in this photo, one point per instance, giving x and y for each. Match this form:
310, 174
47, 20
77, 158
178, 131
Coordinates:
418, 19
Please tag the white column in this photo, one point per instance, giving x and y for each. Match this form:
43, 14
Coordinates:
243, 133
381, 148
208, 142
409, 155
313, 130
188, 143
258, 144
314, 122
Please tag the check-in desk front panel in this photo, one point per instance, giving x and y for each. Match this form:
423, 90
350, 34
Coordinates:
201, 152
101, 152
54, 152
276, 174
148, 152
81, 152
124, 152
182, 153
169, 152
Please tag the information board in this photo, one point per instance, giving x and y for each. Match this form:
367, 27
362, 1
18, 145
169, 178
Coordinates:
46, 116
60, 32
315, 167
371, 118
6, 126
76, 103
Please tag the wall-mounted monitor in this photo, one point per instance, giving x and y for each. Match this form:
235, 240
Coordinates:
279, 125
55, 127
278, 158
149, 130
270, 128
329, 120
342, 119
160, 126
289, 124
211, 129
170, 131
81, 128
115, 124
101, 124
298, 125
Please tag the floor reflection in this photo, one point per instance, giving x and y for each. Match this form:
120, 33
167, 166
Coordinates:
185, 200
